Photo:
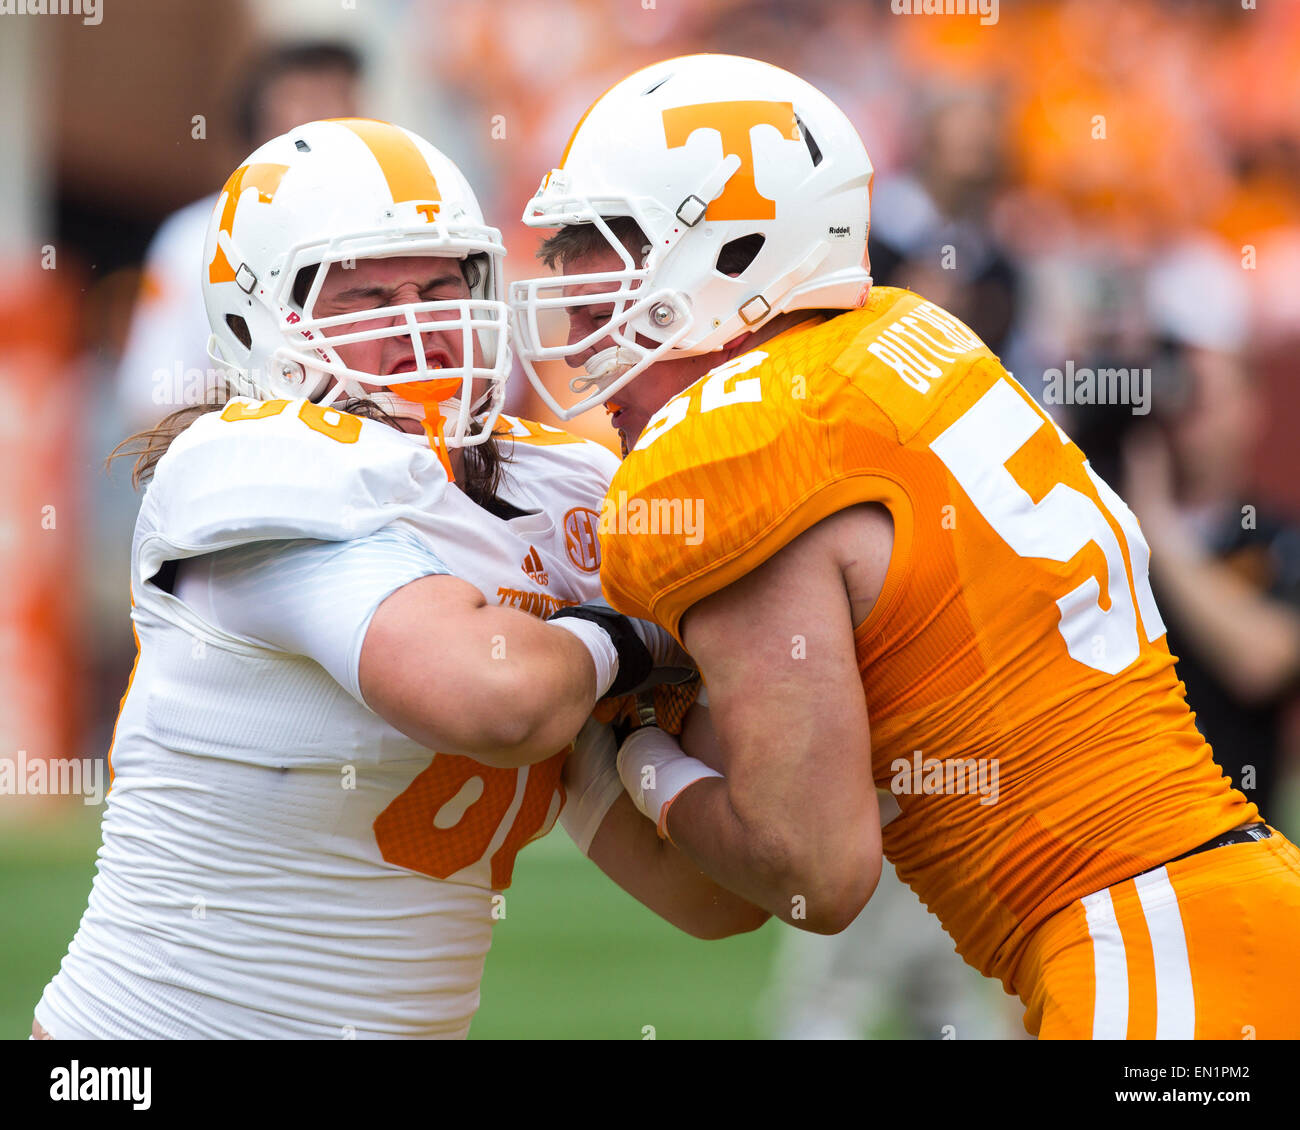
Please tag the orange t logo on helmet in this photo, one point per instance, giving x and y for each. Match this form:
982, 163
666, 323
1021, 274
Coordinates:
266, 179
404, 167
740, 199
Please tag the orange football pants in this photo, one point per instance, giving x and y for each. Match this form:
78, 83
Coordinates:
1201, 948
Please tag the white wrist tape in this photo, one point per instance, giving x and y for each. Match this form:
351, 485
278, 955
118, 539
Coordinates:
654, 770
603, 652
591, 783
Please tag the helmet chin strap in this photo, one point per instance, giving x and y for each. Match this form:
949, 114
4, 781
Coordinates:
427, 412
397, 406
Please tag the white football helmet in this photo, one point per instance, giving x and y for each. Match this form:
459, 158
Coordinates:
338, 191
713, 156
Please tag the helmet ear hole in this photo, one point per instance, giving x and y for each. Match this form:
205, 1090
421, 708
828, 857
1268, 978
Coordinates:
302, 284
737, 254
475, 270
240, 329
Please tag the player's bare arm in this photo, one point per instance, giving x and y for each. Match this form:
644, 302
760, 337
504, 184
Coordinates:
531, 684
612, 829
628, 849
528, 686
794, 825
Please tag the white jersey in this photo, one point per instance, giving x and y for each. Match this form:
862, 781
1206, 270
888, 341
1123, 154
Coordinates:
278, 861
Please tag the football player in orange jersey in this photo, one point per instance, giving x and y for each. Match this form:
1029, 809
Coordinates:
894, 571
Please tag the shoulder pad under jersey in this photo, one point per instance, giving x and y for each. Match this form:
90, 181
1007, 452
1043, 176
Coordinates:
281, 469
551, 460
769, 443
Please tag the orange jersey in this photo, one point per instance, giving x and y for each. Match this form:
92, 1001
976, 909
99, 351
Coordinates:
1023, 702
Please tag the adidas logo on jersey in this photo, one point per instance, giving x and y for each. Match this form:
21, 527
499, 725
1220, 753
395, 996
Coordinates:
534, 568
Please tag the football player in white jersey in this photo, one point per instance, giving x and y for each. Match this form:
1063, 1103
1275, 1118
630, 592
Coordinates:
323, 600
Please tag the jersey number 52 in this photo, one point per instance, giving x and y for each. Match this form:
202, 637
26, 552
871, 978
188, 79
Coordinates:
976, 448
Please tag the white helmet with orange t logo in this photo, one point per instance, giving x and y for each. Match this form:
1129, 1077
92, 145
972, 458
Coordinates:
714, 157
336, 192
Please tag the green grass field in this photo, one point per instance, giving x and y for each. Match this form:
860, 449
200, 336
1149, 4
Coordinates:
574, 957
45, 874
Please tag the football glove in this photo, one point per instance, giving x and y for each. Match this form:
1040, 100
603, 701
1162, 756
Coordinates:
648, 656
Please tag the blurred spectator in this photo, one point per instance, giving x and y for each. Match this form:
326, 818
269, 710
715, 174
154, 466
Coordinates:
166, 364
931, 230
1225, 567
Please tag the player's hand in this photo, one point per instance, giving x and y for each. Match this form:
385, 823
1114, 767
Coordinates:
647, 654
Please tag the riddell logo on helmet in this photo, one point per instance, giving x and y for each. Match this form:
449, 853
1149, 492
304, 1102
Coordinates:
839, 232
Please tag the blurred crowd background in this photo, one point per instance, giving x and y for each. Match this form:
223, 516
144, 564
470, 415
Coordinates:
1095, 183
